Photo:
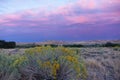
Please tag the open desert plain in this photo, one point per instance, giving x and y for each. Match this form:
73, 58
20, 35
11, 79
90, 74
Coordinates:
101, 63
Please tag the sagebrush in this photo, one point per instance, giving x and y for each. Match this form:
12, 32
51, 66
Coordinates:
43, 63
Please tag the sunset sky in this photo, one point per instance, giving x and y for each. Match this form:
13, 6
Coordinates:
66, 20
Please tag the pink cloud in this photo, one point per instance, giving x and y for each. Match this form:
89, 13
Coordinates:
63, 15
27, 18
77, 19
85, 4
11, 17
2, 21
110, 4
63, 10
105, 18
11, 24
98, 4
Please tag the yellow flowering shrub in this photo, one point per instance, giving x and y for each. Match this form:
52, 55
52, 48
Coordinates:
19, 61
52, 66
55, 68
33, 50
46, 63
52, 60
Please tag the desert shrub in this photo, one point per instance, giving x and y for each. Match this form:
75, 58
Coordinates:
116, 48
43, 63
26, 45
7, 72
53, 64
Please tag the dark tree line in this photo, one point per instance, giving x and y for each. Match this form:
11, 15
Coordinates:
4, 44
109, 44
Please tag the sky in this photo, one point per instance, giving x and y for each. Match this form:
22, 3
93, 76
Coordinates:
61, 20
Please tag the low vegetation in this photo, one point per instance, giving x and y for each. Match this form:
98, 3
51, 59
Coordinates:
43, 63
107, 44
103, 63
53, 62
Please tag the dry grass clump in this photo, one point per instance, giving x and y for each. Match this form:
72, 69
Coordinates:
94, 69
93, 63
102, 63
112, 68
